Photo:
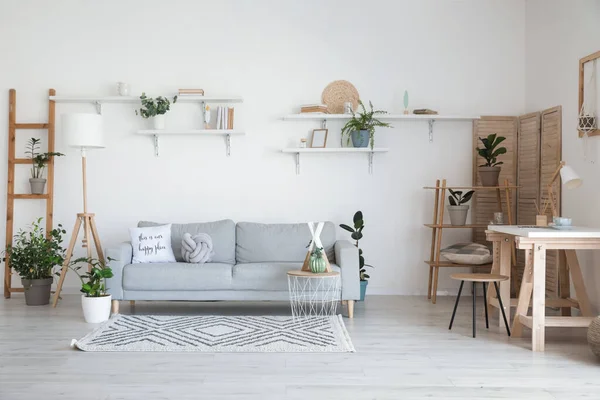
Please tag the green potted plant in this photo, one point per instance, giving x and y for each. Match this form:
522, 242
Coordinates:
317, 263
155, 109
37, 182
458, 209
361, 128
490, 171
95, 301
356, 234
33, 256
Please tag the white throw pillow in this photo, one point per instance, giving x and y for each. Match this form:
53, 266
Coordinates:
467, 253
152, 244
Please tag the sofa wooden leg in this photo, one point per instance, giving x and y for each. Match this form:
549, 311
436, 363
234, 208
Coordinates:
132, 303
114, 307
350, 308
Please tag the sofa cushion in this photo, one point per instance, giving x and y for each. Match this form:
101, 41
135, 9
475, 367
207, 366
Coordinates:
264, 276
177, 276
221, 232
278, 242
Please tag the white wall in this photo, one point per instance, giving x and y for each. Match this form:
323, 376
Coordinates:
559, 33
458, 57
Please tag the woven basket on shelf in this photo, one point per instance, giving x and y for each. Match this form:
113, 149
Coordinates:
337, 93
593, 336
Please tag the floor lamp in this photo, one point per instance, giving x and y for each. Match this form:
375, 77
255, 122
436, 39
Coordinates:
569, 179
83, 131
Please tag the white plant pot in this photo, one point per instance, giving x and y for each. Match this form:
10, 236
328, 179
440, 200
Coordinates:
159, 121
96, 309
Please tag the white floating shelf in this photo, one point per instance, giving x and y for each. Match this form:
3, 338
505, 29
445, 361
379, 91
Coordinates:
227, 133
430, 118
334, 150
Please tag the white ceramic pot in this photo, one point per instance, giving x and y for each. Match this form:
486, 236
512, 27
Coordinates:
96, 309
159, 121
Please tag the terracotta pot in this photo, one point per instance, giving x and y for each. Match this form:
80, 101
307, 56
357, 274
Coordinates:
458, 214
489, 175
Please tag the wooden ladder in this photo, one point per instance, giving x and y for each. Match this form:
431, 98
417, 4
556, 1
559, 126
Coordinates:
11, 196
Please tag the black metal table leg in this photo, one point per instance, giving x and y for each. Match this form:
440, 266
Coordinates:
487, 323
456, 304
502, 308
474, 297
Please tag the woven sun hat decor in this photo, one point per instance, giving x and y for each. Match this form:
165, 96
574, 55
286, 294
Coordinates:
337, 93
593, 336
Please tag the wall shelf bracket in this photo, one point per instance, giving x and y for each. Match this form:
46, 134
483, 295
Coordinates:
371, 163
156, 145
297, 163
98, 107
324, 124
431, 122
228, 144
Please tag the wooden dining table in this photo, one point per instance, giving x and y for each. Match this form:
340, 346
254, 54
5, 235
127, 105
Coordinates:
536, 241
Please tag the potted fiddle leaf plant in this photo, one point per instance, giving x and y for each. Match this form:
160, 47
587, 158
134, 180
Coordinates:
95, 300
458, 209
155, 109
37, 182
361, 127
490, 171
356, 234
317, 263
33, 255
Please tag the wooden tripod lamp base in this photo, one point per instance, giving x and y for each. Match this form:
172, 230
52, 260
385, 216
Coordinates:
89, 230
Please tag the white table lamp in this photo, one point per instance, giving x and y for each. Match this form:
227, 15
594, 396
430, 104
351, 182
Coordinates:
83, 131
569, 179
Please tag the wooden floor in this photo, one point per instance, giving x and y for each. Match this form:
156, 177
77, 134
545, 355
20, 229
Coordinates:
403, 351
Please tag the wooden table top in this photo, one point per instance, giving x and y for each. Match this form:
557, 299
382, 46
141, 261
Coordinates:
576, 232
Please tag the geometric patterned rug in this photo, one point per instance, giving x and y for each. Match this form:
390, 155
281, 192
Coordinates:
213, 333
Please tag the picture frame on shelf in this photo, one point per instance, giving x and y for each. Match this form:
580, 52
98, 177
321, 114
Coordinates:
319, 138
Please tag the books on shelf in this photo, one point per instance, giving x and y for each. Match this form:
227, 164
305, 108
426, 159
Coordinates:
225, 117
424, 111
313, 108
191, 92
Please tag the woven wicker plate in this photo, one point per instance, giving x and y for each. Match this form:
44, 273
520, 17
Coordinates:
337, 93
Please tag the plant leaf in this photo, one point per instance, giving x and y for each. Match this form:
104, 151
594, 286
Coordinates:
452, 201
347, 228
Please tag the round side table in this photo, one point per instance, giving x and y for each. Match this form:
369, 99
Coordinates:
314, 295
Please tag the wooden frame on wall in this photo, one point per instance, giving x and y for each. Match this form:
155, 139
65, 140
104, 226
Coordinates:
582, 63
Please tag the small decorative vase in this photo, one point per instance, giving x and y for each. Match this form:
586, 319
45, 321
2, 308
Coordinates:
360, 138
489, 175
95, 309
159, 121
317, 265
37, 291
363, 289
458, 215
593, 336
37, 185
541, 220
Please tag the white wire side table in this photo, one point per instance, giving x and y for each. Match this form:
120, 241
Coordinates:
314, 295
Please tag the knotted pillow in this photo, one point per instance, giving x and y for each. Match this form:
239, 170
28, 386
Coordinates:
197, 249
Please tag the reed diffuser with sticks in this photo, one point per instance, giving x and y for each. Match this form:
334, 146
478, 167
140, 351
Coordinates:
541, 219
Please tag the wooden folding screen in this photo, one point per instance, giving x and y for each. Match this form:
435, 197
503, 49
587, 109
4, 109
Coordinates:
484, 204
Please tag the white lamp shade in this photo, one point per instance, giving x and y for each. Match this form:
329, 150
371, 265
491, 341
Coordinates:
83, 130
569, 177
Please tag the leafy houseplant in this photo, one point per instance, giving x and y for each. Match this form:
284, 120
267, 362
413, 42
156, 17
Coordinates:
95, 301
356, 234
458, 209
155, 109
39, 160
361, 128
490, 151
318, 265
33, 256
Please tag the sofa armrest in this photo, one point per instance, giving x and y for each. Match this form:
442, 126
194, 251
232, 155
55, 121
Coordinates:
119, 257
346, 257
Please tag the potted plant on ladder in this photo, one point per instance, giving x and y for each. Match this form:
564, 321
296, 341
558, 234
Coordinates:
155, 109
457, 208
356, 234
490, 171
33, 256
95, 300
37, 182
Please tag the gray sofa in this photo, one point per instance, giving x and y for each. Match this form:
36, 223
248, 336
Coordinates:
250, 264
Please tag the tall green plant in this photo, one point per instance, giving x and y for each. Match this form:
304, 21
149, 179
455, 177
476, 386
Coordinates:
490, 152
153, 107
33, 254
93, 282
356, 234
364, 121
38, 160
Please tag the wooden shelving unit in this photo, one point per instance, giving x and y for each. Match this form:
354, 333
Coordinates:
438, 226
334, 150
